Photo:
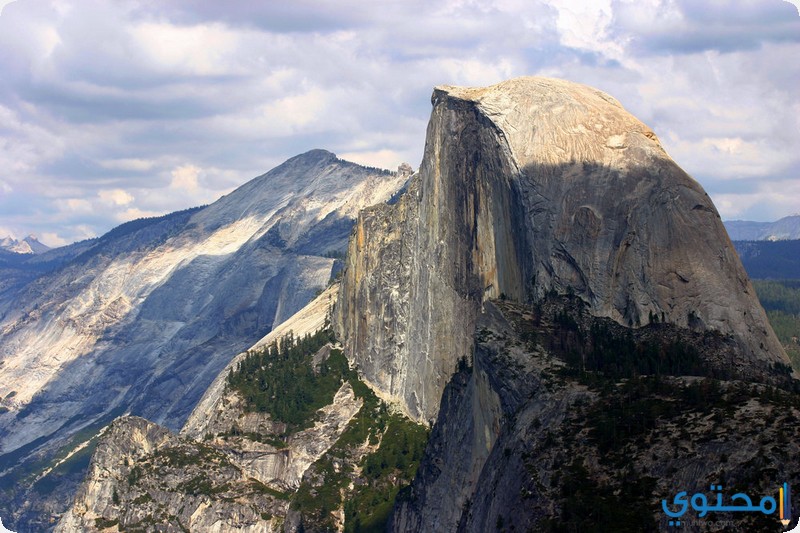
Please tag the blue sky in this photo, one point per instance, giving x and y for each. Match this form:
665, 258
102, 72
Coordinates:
114, 110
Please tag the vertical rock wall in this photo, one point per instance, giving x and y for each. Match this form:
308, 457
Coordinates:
528, 186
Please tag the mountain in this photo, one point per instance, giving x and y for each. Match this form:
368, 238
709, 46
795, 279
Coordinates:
28, 245
547, 194
783, 229
528, 187
551, 295
770, 259
143, 319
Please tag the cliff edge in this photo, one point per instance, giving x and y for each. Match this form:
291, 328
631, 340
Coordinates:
530, 186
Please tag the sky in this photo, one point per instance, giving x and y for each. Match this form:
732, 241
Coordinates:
116, 110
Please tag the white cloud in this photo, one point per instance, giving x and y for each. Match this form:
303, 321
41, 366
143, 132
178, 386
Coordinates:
204, 50
75, 206
115, 197
134, 213
173, 104
184, 178
130, 164
53, 240
770, 201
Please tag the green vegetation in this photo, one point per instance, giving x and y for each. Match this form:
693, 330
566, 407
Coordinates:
770, 259
397, 458
606, 351
787, 328
281, 380
592, 506
781, 300
259, 487
183, 456
201, 484
619, 356
384, 472
781, 295
102, 523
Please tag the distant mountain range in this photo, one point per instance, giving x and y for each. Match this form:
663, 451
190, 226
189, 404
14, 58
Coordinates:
780, 230
28, 245
768, 250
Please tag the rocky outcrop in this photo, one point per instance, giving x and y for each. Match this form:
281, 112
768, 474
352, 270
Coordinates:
234, 469
215, 409
143, 476
282, 465
530, 186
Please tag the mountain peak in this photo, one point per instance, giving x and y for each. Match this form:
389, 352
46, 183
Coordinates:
528, 187
28, 245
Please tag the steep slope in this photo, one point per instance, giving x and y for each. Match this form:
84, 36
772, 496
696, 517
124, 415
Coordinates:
529, 186
144, 319
569, 422
780, 230
238, 468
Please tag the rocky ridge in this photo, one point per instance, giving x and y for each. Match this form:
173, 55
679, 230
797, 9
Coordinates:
529, 439
745, 230
144, 318
28, 245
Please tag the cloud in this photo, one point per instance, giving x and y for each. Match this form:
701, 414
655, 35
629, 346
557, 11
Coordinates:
378, 158
128, 164
53, 240
144, 106
134, 213
184, 178
115, 197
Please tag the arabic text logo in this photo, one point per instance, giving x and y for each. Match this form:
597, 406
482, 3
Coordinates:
741, 503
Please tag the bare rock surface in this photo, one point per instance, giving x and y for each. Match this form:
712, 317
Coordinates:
143, 319
528, 186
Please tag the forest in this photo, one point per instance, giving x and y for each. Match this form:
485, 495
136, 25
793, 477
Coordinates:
282, 380
781, 301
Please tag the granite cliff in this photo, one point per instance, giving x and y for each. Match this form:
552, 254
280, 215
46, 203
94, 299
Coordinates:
525, 187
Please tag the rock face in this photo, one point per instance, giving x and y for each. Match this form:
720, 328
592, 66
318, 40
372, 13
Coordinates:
213, 410
144, 318
209, 478
525, 187
28, 245
196, 487
526, 442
